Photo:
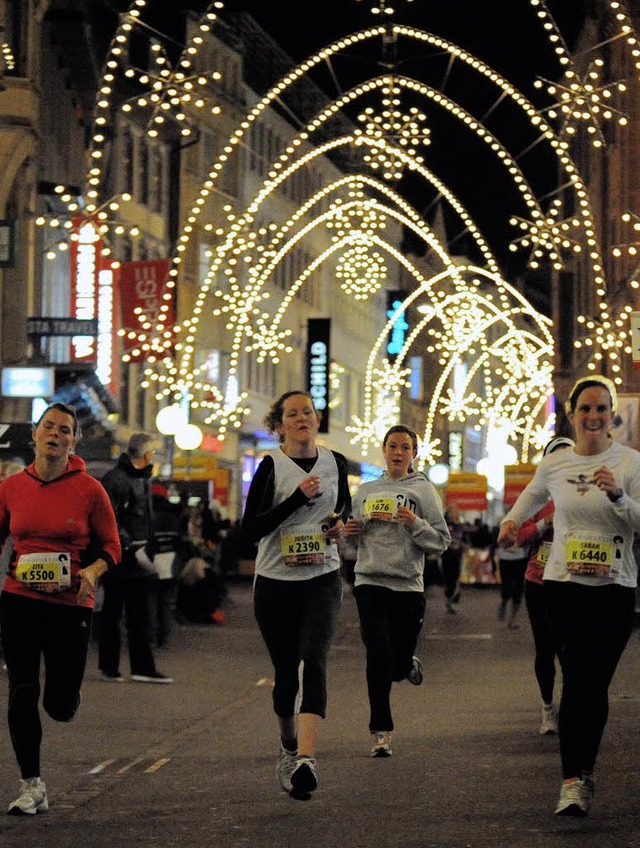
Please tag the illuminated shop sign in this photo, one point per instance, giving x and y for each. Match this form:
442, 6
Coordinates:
398, 334
455, 451
318, 363
85, 253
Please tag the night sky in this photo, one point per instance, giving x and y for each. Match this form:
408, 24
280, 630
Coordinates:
503, 33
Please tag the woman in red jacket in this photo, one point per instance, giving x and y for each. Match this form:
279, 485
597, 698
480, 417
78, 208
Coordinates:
64, 538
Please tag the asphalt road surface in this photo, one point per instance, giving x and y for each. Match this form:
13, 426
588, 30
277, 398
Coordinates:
192, 764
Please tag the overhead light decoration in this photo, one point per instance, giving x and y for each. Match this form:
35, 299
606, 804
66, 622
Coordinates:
478, 318
381, 7
404, 129
549, 237
64, 228
361, 271
336, 377
171, 94
8, 57
584, 101
246, 270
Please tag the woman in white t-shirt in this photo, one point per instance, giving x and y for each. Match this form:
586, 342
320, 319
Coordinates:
590, 575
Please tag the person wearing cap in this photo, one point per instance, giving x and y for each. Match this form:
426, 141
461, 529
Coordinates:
537, 534
590, 575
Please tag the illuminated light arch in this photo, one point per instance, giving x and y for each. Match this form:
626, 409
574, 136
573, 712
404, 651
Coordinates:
244, 303
582, 196
159, 95
243, 309
505, 87
530, 367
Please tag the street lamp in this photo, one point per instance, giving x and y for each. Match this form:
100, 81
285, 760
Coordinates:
169, 421
188, 438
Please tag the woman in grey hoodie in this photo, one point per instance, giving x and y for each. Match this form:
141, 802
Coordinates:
396, 520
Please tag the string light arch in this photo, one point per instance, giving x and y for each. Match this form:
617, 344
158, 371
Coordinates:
543, 231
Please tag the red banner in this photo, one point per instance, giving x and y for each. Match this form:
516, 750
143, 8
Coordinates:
144, 306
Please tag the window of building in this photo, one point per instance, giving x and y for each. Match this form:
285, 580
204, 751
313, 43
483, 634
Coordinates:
143, 171
156, 179
127, 160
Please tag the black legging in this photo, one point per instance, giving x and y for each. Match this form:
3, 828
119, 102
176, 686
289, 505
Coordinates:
297, 620
592, 625
545, 661
512, 573
390, 623
451, 566
60, 633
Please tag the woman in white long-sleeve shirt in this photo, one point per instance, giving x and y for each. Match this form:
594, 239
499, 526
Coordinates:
590, 576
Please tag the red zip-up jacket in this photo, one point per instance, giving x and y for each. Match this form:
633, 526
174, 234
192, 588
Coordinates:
72, 514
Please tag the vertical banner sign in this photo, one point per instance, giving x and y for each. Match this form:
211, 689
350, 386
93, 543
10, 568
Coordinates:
86, 247
318, 363
106, 368
144, 300
634, 332
398, 333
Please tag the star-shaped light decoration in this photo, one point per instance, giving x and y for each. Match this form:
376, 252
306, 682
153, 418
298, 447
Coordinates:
584, 101
65, 226
172, 92
548, 236
387, 383
392, 127
381, 7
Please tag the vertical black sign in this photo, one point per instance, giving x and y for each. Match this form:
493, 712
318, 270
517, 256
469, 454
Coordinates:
318, 363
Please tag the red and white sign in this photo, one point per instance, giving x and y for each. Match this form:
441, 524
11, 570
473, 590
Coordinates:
146, 304
516, 480
467, 491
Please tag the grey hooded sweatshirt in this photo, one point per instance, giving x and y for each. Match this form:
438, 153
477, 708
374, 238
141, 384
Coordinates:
389, 554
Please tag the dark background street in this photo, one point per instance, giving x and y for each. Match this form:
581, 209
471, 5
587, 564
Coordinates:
193, 763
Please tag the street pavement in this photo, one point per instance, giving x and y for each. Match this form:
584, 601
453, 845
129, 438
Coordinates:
192, 764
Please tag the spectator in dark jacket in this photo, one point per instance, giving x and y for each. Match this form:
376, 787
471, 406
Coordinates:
127, 588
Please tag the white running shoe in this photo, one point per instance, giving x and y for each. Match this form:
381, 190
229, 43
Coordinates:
416, 674
381, 743
284, 768
575, 799
549, 721
154, 677
32, 798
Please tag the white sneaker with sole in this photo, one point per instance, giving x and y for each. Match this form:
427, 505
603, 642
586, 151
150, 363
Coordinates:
416, 675
575, 799
32, 798
549, 721
381, 743
284, 768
